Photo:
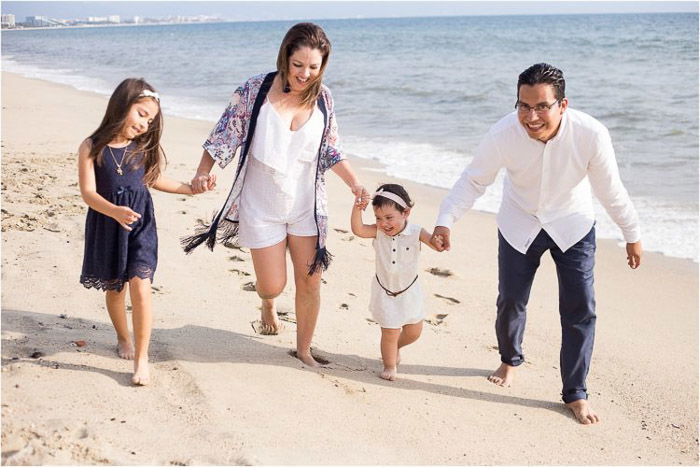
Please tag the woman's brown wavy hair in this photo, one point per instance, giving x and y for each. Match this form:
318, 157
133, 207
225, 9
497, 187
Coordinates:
124, 96
304, 35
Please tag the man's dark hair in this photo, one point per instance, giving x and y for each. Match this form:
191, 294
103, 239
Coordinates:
543, 73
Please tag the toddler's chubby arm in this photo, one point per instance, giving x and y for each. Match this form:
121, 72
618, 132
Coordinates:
88, 190
358, 227
433, 242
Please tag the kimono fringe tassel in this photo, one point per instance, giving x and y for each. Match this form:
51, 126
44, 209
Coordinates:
321, 262
207, 233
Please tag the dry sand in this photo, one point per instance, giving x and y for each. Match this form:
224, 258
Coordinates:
223, 394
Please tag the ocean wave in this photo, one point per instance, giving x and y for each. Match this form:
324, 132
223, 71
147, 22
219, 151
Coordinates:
668, 227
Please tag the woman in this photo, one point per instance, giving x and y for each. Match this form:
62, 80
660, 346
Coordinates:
284, 124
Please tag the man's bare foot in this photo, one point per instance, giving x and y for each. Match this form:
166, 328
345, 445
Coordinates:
268, 318
583, 412
503, 376
308, 359
388, 374
142, 375
125, 350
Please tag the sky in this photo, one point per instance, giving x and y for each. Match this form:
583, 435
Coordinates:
285, 10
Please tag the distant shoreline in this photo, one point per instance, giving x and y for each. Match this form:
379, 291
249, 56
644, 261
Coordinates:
342, 19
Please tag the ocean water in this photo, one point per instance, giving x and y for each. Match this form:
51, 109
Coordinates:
417, 94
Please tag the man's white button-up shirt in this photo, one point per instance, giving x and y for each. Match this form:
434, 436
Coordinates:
547, 185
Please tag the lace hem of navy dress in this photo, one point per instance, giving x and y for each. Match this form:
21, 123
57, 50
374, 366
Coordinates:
115, 284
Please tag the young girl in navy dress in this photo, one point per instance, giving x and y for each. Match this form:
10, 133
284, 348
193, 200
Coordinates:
397, 299
116, 165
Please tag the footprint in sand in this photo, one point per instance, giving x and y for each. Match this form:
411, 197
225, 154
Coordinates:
239, 272
435, 319
266, 329
248, 287
236, 258
341, 231
320, 360
449, 299
440, 272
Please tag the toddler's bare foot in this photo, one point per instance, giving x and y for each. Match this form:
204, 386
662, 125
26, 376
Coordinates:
503, 376
583, 412
388, 374
268, 317
308, 359
142, 374
125, 350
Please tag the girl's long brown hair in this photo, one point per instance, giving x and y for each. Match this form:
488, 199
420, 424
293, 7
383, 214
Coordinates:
124, 96
304, 35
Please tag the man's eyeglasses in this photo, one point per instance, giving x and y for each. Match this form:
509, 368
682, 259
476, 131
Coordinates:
523, 108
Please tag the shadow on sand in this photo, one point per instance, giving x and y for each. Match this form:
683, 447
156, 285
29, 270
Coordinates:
50, 334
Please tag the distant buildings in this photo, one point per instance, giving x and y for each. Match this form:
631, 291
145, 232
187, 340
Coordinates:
8, 21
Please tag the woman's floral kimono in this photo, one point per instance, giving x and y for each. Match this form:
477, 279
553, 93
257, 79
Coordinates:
234, 131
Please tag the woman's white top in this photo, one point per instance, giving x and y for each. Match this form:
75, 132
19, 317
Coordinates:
281, 176
396, 260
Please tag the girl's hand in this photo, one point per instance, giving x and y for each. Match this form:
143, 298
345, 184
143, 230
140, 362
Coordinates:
203, 182
125, 216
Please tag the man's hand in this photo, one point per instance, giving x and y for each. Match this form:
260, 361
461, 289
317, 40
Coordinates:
634, 254
441, 238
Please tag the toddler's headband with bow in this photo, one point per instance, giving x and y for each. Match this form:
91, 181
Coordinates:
392, 196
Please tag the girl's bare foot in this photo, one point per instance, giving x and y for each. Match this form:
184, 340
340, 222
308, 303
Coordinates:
142, 374
503, 376
268, 318
125, 350
308, 359
583, 412
388, 374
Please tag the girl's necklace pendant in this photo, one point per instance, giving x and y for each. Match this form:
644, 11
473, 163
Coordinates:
118, 164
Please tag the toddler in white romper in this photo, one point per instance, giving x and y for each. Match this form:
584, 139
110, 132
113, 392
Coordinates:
397, 298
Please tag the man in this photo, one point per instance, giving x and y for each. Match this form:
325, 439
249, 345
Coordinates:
553, 156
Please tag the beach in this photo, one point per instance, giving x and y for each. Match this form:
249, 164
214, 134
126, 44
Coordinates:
223, 394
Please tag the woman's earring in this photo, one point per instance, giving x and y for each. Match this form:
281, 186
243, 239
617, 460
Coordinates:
286, 89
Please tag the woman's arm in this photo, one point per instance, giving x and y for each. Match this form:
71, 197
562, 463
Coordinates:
345, 172
358, 228
88, 190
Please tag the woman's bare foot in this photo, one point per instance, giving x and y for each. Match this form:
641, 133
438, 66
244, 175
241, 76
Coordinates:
583, 412
388, 374
308, 359
268, 318
142, 374
125, 350
503, 376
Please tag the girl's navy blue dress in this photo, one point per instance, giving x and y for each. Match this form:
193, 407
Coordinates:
114, 255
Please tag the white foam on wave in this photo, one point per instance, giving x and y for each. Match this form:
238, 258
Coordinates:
65, 76
666, 228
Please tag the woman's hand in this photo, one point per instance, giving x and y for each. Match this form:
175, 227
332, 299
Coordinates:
203, 182
361, 196
125, 216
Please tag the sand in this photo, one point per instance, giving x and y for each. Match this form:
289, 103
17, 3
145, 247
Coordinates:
222, 394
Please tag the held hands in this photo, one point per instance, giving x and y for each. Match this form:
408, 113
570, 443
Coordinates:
203, 182
440, 238
361, 196
125, 216
634, 254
